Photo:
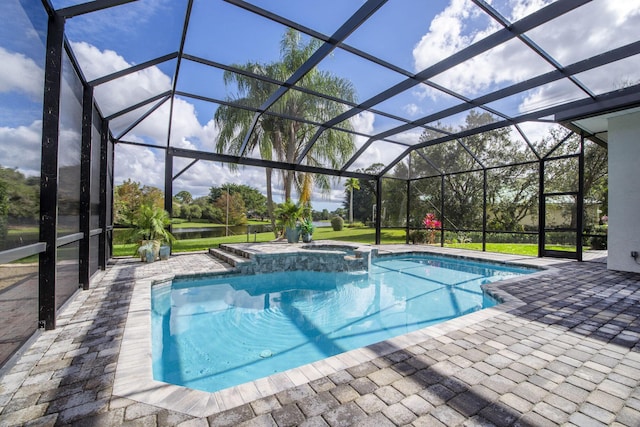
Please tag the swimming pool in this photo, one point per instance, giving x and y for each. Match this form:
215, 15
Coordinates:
213, 333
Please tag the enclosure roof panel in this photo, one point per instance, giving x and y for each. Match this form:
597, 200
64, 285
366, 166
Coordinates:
386, 78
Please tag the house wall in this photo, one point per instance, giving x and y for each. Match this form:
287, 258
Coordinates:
624, 192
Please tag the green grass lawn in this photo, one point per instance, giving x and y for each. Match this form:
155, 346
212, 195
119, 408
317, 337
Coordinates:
529, 249
17, 230
356, 235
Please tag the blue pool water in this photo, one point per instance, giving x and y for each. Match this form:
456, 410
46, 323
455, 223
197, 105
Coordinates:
214, 333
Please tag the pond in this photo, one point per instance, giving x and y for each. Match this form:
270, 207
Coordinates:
119, 234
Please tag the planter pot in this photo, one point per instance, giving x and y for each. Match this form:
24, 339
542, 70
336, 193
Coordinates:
306, 237
293, 235
165, 251
155, 252
150, 257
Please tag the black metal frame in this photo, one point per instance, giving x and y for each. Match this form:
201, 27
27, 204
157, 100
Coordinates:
564, 113
49, 173
85, 186
104, 163
542, 252
606, 102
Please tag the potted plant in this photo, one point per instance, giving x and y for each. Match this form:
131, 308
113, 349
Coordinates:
306, 230
150, 225
288, 215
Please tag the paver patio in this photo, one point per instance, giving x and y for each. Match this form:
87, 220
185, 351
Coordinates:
567, 354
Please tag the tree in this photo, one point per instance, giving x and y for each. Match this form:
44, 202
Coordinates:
22, 196
340, 212
276, 137
561, 175
514, 195
184, 197
195, 212
394, 201
176, 210
126, 201
208, 210
4, 210
364, 199
232, 208
511, 192
351, 184
129, 196
211, 213
254, 201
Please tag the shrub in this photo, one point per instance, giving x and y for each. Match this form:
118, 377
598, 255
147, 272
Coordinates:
337, 223
355, 224
418, 236
599, 241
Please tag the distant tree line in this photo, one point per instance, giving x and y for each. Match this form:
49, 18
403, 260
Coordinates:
241, 202
19, 200
20, 196
512, 191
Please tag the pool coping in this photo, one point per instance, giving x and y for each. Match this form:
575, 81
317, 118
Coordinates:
134, 374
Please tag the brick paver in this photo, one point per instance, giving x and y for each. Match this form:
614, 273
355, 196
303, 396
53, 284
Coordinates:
570, 354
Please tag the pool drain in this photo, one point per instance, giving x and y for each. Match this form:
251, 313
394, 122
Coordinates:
266, 353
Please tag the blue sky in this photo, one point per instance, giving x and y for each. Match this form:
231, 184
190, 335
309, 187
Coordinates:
411, 34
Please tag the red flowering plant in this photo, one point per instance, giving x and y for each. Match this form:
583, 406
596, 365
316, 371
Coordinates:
431, 223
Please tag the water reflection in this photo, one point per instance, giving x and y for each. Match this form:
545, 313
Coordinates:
120, 234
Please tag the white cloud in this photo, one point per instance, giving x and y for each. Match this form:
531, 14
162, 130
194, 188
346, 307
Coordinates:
143, 164
536, 132
129, 90
589, 30
21, 147
21, 74
582, 33
449, 32
364, 122
124, 20
409, 137
412, 110
70, 146
203, 175
521, 8
140, 164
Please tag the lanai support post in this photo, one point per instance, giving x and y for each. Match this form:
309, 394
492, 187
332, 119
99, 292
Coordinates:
580, 201
102, 209
378, 208
484, 209
541, 211
111, 155
49, 174
85, 186
442, 214
408, 227
102, 219
168, 184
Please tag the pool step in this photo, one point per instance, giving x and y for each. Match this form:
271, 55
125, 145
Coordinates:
238, 252
230, 258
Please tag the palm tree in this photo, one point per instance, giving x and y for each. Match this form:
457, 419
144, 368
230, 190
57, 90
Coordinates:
352, 184
275, 137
